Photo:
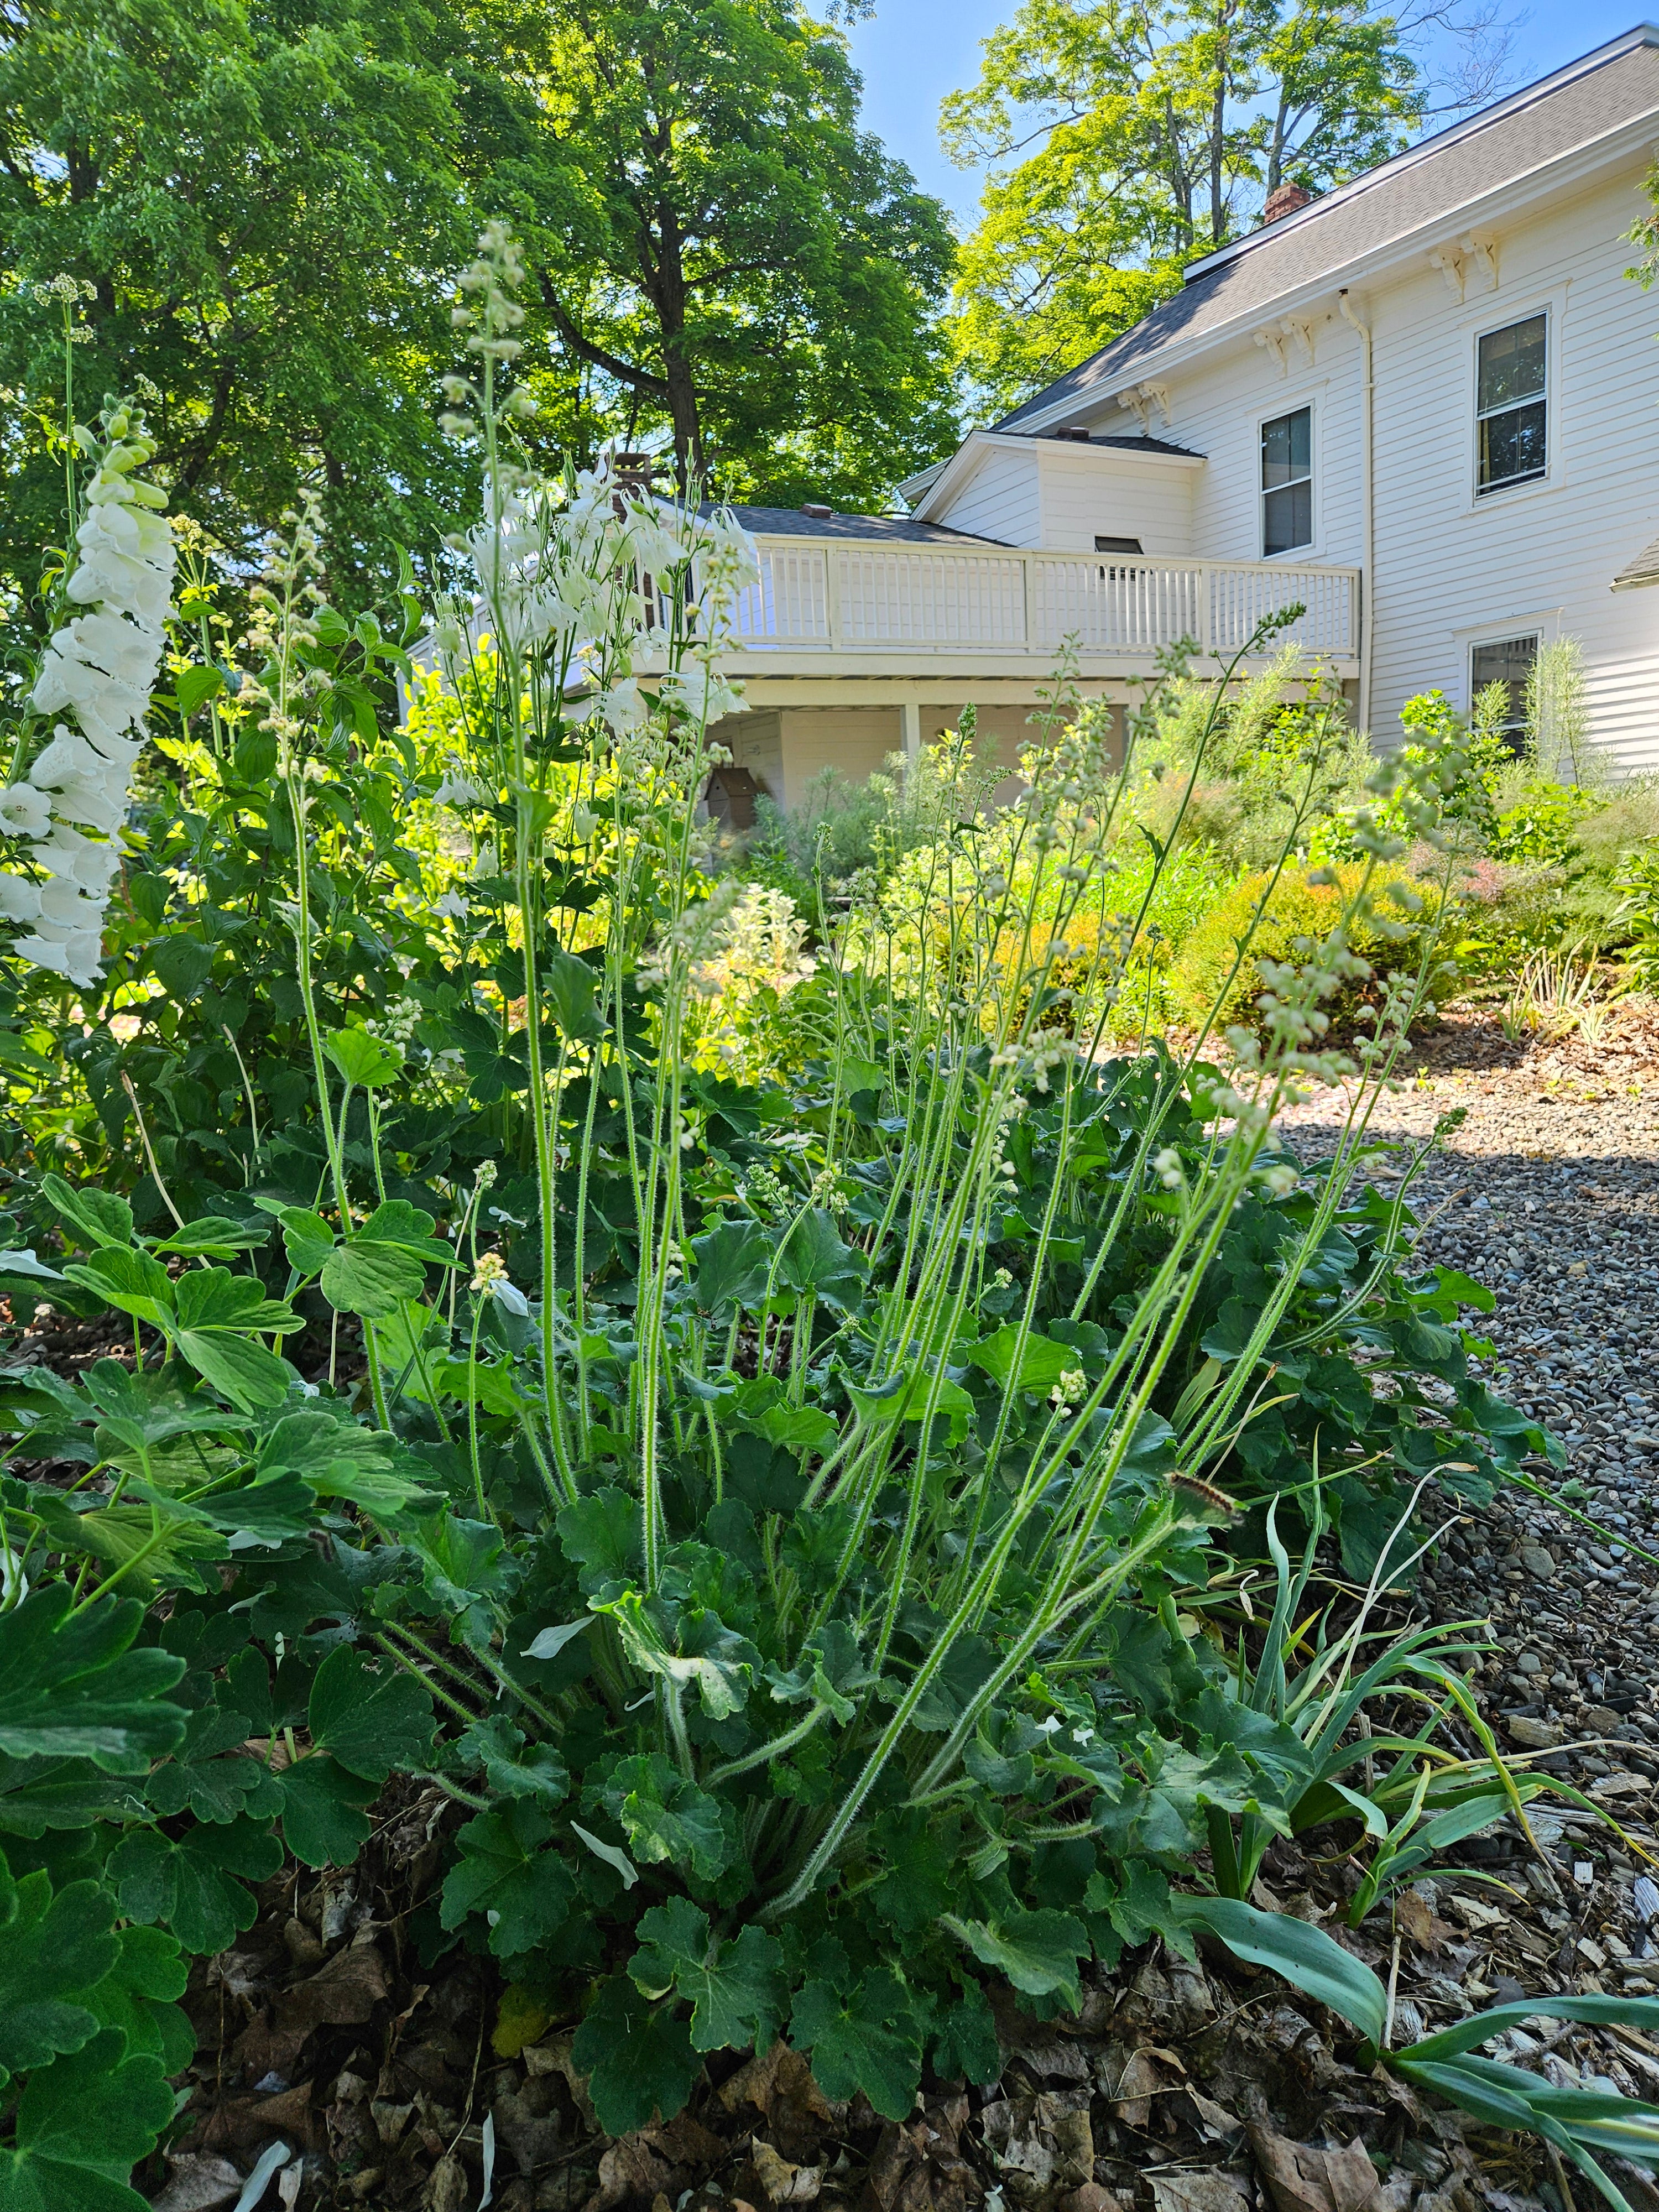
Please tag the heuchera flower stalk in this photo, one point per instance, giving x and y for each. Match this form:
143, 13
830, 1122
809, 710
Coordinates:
98, 669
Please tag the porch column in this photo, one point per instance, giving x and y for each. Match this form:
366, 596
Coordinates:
910, 724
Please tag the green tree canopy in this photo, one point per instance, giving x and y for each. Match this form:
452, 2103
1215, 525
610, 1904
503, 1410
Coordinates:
722, 256
270, 200
1133, 136
259, 195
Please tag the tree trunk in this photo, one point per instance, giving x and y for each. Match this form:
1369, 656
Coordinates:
668, 295
1276, 145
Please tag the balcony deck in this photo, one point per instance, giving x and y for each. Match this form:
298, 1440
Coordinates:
840, 608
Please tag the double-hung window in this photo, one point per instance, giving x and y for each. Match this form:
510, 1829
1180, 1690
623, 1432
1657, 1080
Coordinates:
1511, 404
1508, 661
1287, 483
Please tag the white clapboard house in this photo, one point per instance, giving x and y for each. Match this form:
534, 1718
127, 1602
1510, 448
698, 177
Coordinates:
1425, 406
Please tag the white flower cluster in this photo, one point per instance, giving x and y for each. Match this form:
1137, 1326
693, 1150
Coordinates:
98, 669
580, 569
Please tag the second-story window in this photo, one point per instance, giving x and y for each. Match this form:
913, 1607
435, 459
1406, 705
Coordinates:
1510, 405
1287, 482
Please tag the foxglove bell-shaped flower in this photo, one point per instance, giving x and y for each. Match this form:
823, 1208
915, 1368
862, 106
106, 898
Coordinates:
97, 671
24, 811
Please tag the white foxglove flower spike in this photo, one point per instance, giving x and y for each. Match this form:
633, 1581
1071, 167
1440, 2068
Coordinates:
98, 669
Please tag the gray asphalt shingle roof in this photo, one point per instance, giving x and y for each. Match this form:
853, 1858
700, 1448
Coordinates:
790, 522
1616, 86
1643, 570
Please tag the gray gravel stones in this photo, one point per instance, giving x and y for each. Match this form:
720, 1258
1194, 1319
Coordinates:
1547, 1192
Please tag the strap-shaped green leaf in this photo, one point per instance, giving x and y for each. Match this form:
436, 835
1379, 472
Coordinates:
1480, 2027
1309, 1959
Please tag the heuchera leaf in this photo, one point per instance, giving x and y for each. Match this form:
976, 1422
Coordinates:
1036, 1366
524, 1891
965, 2046
867, 2041
600, 1534
816, 1262
570, 984
711, 1657
498, 1746
1037, 1952
71, 1687
463, 1566
732, 1264
739, 1991
83, 2124
638, 2058
363, 1059
664, 1816
372, 1721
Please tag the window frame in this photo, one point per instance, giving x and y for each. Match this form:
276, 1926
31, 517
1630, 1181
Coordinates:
1544, 312
1522, 634
1282, 413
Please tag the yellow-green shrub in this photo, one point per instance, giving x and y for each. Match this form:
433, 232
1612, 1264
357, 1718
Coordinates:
1297, 909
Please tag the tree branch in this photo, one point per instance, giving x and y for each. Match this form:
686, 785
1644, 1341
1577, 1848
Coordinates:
597, 356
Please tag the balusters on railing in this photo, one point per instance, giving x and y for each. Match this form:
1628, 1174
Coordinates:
862, 597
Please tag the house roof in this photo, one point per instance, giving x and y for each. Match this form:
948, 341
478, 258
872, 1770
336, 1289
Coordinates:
1615, 86
791, 522
1133, 444
1644, 570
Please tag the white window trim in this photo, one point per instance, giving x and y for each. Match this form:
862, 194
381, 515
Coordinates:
1543, 623
1290, 404
1491, 317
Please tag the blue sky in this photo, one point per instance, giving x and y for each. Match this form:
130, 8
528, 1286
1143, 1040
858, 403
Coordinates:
912, 53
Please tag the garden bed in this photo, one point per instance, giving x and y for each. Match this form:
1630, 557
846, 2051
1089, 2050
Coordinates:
1176, 2088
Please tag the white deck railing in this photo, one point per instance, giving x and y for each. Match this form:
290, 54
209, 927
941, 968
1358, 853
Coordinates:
840, 595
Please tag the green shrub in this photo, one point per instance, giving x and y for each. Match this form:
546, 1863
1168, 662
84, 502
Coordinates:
1299, 911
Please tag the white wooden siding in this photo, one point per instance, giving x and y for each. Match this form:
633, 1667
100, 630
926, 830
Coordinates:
1001, 500
1108, 497
1448, 568
1448, 565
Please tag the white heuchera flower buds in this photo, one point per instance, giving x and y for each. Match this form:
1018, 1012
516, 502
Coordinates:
99, 670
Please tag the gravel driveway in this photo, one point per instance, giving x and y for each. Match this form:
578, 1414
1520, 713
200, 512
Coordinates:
1548, 1193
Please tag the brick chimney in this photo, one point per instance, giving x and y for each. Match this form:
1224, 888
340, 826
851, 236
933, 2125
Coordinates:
1285, 199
